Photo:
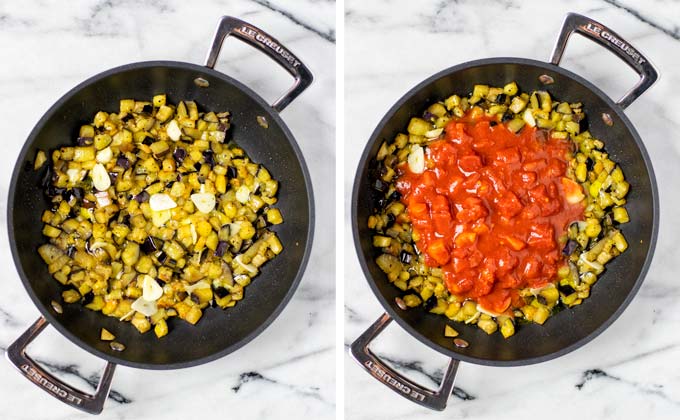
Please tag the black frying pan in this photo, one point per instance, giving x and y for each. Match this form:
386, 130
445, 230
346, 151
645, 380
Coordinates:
570, 328
219, 332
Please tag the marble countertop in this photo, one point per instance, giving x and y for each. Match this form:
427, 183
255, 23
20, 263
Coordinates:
631, 370
49, 47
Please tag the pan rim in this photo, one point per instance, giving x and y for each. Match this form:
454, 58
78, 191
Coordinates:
44, 311
373, 282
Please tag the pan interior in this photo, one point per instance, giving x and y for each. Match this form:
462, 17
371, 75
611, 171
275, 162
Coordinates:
219, 332
570, 328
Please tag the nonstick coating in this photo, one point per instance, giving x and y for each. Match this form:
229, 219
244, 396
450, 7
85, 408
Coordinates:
219, 332
570, 328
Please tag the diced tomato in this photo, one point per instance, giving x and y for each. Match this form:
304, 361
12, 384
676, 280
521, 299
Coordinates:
552, 190
471, 214
509, 281
573, 192
555, 168
418, 210
538, 194
509, 205
550, 207
541, 236
508, 155
460, 264
440, 204
458, 283
549, 271
527, 177
534, 165
506, 262
475, 258
480, 228
498, 301
469, 163
530, 267
441, 222
465, 239
471, 181
512, 242
530, 212
484, 283
483, 143
437, 250
427, 178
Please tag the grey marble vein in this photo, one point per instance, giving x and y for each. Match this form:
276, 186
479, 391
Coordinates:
328, 35
653, 389
673, 32
246, 377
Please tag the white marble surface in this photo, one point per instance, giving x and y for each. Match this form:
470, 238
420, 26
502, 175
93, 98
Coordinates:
49, 47
631, 370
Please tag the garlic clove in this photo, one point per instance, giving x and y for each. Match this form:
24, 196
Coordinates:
416, 160
204, 202
104, 155
161, 201
145, 307
242, 194
173, 130
100, 177
151, 290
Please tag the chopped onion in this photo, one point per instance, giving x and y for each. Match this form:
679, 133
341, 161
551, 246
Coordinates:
103, 198
234, 228
433, 134
529, 118
194, 234
173, 130
248, 267
199, 285
484, 311
219, 136
124, 317
75, 175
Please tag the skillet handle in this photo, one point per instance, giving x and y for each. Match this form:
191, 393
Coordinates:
256, 37
16, 354
612, 41
434, 400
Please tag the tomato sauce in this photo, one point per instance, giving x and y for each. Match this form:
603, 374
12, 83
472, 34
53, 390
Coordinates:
490, 209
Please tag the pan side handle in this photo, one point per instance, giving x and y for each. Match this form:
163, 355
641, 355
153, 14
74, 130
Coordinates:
252, 35
434, 400
597, 32
16, 354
